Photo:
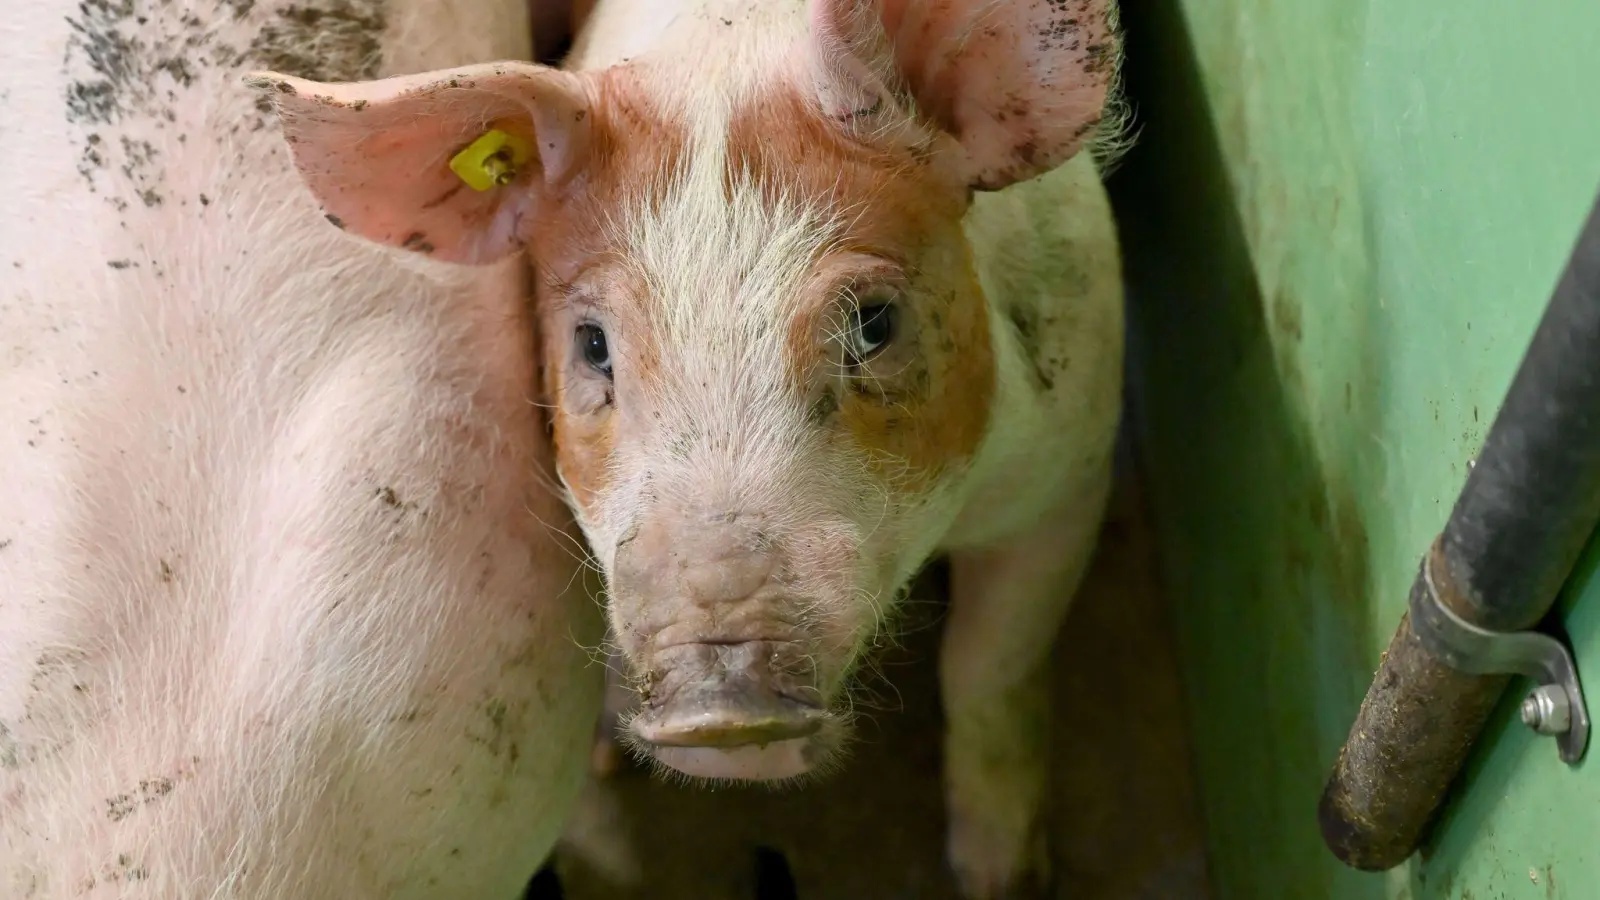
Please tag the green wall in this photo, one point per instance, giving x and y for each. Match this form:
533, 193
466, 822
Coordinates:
1342, 222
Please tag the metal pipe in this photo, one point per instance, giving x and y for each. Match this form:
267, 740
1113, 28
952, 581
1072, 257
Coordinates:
1529, 505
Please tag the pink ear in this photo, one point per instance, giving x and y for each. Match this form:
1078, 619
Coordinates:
1019, 84
377, 154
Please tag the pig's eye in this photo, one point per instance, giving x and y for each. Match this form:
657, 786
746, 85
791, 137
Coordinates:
592, 347
871, 326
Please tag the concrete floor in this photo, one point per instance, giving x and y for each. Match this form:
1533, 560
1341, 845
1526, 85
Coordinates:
1127, 824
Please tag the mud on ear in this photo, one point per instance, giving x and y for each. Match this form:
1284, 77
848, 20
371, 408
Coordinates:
446, 163
1020, 85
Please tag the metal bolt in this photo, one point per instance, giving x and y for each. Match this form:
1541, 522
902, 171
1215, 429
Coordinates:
1547, 710
499, 168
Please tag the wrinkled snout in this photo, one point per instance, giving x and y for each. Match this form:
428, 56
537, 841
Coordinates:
732, 622
739, 711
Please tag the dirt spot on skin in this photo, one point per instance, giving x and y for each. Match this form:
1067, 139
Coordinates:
140, 168
498, 736
417, 242
1058, 33
99, 37
495, 710
330, 41
493, 738
131, 62
120, 807
124, 869
398, 508
92, 159
823, 409
10, 750
54, 668
409, 716
1024, 322
126, 58
149, 791
141, 62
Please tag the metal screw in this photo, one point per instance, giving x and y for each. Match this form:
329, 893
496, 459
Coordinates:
1547, 710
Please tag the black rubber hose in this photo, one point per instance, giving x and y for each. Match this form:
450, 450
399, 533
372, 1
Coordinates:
1529, 505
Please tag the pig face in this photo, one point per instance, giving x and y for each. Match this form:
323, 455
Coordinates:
768, 377
766, 348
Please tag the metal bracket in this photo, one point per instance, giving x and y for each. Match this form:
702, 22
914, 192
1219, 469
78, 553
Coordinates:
1555, 708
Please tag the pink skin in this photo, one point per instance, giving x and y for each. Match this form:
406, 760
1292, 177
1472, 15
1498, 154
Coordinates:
752, 536
288, 608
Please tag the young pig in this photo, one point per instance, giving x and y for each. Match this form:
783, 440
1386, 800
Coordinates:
289, 607
796, 344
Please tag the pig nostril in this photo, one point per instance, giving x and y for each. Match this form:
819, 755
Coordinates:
774, 881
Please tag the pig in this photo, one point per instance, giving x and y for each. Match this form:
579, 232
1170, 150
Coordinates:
290, 605
825, 288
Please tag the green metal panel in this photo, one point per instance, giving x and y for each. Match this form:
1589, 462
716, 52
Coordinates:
1342, 223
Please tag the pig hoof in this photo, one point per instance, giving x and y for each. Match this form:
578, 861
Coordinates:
995, 862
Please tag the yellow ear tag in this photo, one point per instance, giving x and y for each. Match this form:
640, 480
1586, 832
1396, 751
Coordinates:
490, 161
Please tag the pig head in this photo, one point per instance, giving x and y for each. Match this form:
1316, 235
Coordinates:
767, 352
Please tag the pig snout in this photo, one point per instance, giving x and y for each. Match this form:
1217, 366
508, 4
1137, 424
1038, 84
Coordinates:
726, 695
688, 561
730, 711
730, 687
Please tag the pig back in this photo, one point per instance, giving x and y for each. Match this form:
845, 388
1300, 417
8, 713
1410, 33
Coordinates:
290, 605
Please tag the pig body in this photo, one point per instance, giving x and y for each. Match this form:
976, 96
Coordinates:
798, 341
288, 606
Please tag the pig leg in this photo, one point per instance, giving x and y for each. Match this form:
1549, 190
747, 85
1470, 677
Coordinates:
1006, 605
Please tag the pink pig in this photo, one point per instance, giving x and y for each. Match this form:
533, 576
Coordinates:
797, 341
289, 609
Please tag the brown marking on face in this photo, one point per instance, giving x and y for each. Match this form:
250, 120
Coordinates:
930, 415
583, 448
634, 144
901, 207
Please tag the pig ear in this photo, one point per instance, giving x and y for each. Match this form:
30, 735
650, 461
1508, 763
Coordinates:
1019, 84
444, 163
